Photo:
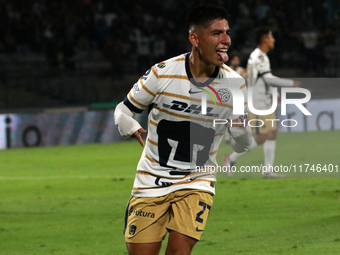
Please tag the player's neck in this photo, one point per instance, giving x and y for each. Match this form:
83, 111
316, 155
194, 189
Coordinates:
264, 48
198, 68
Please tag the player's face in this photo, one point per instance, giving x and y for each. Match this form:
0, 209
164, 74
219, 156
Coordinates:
214, 41
271, 40
235, 61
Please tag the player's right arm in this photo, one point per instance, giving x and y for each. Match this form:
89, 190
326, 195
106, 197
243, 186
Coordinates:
126, 124
279, 82
140, 96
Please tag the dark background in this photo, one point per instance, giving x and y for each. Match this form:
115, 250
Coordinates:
86, 52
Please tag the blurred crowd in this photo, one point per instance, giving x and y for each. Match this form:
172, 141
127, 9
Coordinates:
141, 33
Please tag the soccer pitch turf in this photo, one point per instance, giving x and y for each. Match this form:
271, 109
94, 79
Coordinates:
71, 200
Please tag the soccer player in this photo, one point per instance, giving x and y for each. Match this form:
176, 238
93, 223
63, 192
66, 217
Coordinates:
261, 79
171, 192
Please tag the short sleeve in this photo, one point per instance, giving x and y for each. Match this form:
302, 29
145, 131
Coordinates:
143, 91
263, 65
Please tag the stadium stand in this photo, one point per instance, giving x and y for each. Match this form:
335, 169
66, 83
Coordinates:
92, 51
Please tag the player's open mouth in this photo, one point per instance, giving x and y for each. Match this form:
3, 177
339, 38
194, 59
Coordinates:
223, 54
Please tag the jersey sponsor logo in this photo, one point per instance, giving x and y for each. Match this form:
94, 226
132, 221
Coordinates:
194, 92
141, 213
161, 65
192, 109
224, 94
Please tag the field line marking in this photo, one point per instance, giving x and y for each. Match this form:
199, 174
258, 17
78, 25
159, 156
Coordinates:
82, 177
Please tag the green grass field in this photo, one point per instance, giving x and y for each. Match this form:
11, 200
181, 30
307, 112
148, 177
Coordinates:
71, 200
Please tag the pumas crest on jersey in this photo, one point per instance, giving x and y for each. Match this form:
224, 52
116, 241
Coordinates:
224, 94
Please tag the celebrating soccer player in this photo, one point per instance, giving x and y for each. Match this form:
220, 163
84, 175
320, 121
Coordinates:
170, 193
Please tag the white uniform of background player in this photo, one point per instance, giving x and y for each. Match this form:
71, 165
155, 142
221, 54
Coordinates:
261, 80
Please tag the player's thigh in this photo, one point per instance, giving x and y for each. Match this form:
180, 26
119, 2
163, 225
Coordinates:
145, 219
144, 248
189, 212
179, 244
263, 124
271, 135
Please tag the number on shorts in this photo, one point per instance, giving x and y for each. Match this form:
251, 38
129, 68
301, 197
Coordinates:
198, 216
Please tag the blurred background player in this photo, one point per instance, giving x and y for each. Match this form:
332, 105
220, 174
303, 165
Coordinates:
261, 80
235, 64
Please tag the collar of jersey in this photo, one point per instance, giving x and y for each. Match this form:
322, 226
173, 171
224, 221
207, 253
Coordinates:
191, 78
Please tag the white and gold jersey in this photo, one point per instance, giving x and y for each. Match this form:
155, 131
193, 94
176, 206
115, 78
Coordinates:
261, 80
180, 137
258, 65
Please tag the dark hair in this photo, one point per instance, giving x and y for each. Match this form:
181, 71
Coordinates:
234, 54
203, 14
259, 32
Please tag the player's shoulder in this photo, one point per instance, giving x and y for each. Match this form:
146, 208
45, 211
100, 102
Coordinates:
170, 65
227, 72
258, 56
